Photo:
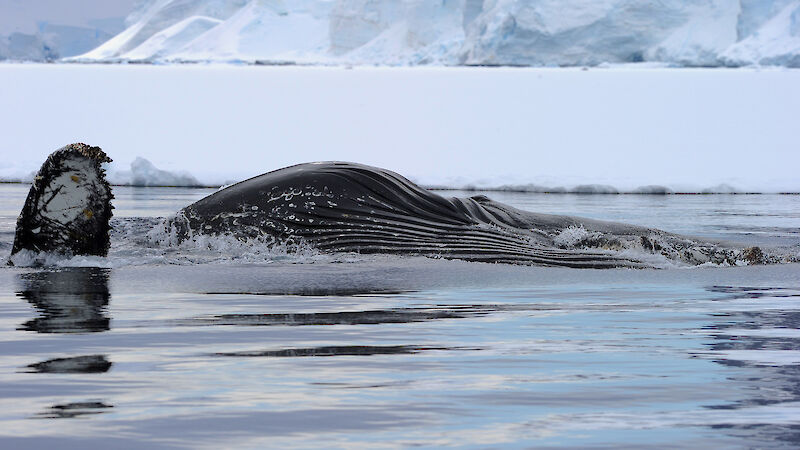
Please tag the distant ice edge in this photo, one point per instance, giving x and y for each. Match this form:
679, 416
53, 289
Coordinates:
686, 33
144, 173
605, 189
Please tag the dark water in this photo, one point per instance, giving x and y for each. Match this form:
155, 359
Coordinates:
282, 350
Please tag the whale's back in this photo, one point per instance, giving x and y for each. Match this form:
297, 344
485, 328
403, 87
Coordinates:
347, 207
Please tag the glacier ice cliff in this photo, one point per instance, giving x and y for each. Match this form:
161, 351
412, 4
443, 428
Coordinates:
51, 42
461, 32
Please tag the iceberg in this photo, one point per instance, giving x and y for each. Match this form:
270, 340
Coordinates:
687, 33
52, 41
774, 42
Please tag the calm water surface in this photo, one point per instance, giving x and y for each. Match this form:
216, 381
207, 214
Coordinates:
391, 352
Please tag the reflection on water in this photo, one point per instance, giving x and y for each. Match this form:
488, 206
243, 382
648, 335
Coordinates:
70, 410
759, 340
68, 301
763, 339
400, 315
77, 364
342, 350
563, 364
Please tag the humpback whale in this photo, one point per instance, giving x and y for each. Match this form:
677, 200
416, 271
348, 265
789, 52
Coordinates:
348, 207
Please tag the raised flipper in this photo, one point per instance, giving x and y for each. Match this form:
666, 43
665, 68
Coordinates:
69, 205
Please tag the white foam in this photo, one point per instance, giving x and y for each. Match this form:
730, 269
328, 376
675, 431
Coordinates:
570, 236
30, 258
156, 241
142, 242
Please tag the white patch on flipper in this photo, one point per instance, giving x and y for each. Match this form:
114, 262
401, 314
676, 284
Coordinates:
67, 196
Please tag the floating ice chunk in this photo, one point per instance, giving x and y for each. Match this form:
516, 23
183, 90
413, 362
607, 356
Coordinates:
144, 173
720, 189
652, 189
594, 189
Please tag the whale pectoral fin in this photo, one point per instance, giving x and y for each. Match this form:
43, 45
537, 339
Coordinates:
69, 205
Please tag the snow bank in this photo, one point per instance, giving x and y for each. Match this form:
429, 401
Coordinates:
649, 130
454, 32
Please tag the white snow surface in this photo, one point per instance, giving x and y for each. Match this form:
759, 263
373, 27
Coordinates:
455, 32
645, 130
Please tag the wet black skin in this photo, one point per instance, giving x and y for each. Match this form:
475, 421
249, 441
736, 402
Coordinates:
346, 207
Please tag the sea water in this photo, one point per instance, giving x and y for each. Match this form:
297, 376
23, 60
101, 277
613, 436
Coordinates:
221, 346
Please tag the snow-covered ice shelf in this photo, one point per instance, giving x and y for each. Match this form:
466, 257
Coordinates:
684, 129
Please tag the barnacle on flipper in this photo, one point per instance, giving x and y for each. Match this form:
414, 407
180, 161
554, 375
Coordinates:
89, 151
